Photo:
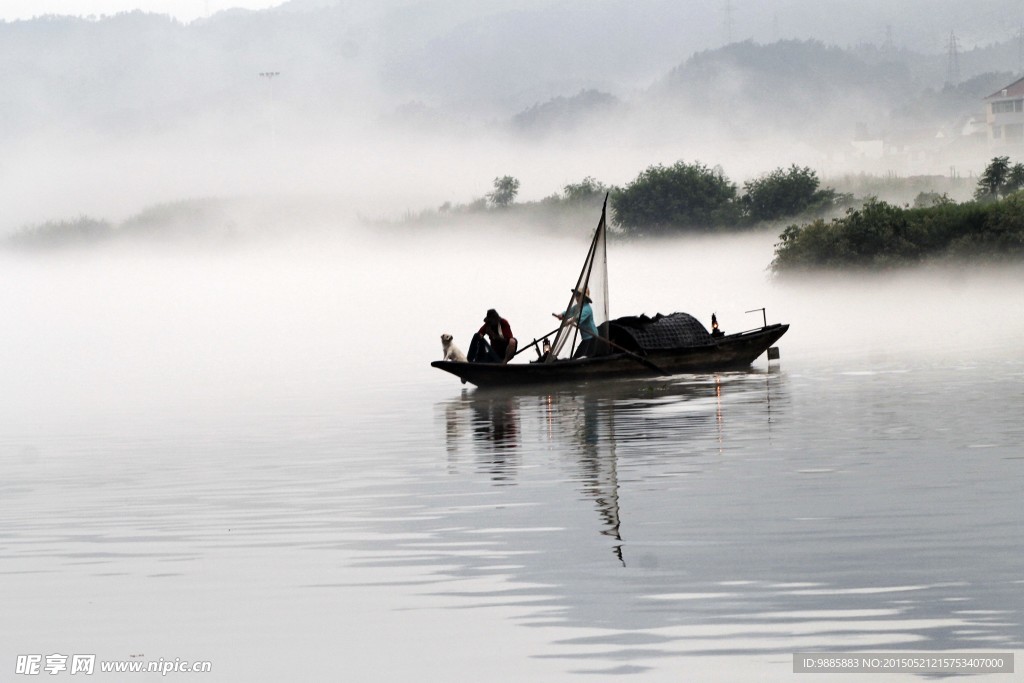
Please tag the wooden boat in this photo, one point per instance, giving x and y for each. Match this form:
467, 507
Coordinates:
727, 352
626, 347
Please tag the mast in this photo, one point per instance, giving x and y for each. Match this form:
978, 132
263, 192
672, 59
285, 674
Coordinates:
593, 277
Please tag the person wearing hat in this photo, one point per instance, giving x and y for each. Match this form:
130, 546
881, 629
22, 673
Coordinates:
582, 315
498, 332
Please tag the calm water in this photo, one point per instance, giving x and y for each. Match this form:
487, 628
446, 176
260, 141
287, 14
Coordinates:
204, 460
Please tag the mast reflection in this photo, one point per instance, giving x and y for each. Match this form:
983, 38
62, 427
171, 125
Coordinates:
595, 443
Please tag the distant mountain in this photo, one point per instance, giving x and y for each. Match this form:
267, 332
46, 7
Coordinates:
299, 96
338, 61
138, 72
561, 114
790, 86
788, 90
515, 57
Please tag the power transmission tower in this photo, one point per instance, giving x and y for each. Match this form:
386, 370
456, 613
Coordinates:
953, 61
727, 9
1020, 49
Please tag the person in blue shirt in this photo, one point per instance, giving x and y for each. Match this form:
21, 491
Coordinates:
582, 315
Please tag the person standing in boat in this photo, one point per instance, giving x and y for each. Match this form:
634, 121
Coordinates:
581, 314
498, 332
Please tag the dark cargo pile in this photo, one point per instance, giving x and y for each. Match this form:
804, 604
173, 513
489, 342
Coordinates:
662, 332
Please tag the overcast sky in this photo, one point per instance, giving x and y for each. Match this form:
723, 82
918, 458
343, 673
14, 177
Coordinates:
183, 10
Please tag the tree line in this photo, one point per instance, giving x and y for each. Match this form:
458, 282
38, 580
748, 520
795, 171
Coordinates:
870, 233
881, 235
691, 197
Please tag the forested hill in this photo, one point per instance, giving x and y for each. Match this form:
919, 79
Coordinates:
789, 84
810, 88
485, 60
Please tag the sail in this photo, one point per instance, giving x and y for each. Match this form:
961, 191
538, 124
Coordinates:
594, 280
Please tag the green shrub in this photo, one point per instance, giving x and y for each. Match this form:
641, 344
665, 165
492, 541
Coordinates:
880, 235
681, 197
781, 194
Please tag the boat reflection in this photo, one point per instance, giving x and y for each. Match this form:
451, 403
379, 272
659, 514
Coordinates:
493, 424
716, 515
601, 426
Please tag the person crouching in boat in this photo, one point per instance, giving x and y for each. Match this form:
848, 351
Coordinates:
582, 315
502, 344
715, 331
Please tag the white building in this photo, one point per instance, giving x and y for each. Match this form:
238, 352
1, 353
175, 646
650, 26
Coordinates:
1004, 113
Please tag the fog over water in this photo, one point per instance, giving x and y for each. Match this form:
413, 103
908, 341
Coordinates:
299, 310
254, 426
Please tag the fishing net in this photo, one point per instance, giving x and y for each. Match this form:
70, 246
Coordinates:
662, 332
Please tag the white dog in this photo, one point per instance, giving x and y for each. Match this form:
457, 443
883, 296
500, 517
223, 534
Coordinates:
451, 351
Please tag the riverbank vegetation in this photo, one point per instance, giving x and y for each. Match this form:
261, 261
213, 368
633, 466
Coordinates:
661, 201
880, 235
202, 221
822, 227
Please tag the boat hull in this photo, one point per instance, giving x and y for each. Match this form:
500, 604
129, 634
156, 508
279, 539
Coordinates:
728, 352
